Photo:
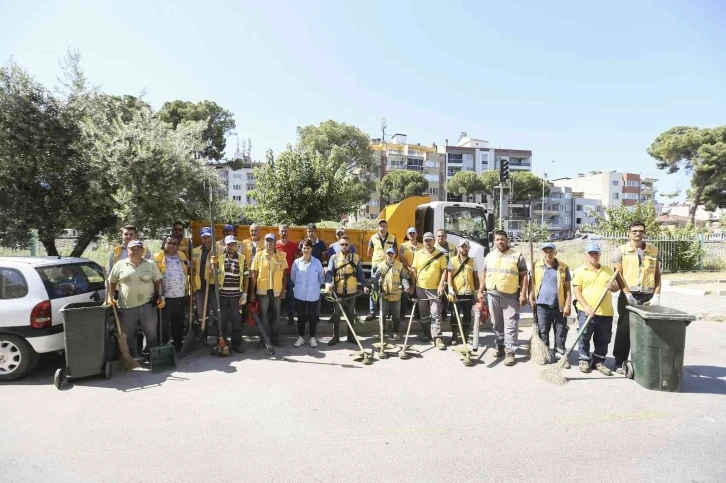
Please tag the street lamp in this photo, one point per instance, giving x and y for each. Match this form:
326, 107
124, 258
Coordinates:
543, 197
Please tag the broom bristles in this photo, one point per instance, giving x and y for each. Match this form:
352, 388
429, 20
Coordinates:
129, 362
539, 352
553, 374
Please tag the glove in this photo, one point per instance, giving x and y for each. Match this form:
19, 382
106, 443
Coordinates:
655, 301
161, 302
631, 299
328, 287
243, 299
451, 297
213, 260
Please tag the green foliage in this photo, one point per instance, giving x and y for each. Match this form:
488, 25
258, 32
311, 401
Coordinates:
302, 187
617, 219
343, 144
363, 224
465, 183
219, 123
686, 253
527, 187
400, 184
535, 232
701, 152
489, 183
228, 211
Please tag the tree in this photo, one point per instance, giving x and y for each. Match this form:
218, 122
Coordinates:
465, 183
219, 123
527, 187
229, 211
536, 232
490, 182
401, 184
701, 152
617, 219
300, 187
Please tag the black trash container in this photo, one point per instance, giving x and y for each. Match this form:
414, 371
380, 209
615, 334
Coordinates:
657, 342
86, 336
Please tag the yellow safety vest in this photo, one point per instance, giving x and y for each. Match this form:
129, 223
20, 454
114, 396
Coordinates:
408, 251
344, 273
160, 260
538, 276
243, 269
184, 246
117, 254
380, 247
502, 271
639, 278
269, 270
197, 260
391, 279
246, 248
464, 281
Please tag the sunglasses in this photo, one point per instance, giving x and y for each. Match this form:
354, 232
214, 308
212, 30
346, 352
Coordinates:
171, 244
345, 244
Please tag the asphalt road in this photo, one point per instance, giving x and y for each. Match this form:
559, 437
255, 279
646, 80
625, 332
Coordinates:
316, 415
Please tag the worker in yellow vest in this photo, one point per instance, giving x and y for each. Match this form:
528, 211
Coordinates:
449, 250
639, 266
268, 283
551, 297
377, 246
345, 276
228, 230
405, 255
249, 246
429, 266
232, 275
463, 282
504, 283
204, 281
174, 266
120, 252
185, 244
391, 279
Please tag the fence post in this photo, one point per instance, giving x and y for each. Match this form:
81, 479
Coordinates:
33, 243
701, 251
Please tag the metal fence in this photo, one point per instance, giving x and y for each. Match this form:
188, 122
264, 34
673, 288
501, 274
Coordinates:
96, 251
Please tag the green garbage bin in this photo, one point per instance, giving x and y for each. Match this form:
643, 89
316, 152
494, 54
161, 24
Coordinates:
657, 341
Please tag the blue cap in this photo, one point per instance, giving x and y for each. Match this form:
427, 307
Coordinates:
206, 231
548, 245
390, 250
593, 247
228, 227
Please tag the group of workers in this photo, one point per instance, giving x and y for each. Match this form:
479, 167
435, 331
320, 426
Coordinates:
272, 273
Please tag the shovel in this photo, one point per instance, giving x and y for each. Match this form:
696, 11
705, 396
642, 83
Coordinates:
162, 358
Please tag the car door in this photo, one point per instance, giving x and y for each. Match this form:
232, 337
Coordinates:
72, 283
15, 301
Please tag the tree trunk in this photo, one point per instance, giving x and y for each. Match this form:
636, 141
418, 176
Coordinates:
694, 206
82, 243
49, 244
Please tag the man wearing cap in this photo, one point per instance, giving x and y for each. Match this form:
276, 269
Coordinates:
405, 255
589, 281
504, 282
377, 246
345, 276
120, 252
138, 281
638, 263
449, 250
391, 278
428, 268
227, 231
551, 297
173, 266
250, 245
232, 275
335, 247
320, 250
290, 250
463, 281
269, 284
201, 257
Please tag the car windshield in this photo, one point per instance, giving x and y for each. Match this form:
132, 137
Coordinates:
68, 280
466, 222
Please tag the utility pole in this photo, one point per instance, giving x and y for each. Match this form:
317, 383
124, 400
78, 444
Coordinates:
501, 205
503, 176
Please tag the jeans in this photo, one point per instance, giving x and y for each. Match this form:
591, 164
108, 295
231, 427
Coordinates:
429, 306
230, 315
621, 346
504, 314
600, 330
172, 318
270, 312
307, 312
550, 317
463, 305
146, 315
394, 310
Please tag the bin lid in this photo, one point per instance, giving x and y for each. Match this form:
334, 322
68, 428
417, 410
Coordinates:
655, 313
81, 306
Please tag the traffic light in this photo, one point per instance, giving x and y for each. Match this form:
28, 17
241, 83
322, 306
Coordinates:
503, 170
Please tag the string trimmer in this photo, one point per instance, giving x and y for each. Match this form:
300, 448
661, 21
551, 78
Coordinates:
362, 355
383, 346
406, 351
464, 349
253, 308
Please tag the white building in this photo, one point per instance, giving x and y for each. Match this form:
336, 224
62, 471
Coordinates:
612, 188
238, 182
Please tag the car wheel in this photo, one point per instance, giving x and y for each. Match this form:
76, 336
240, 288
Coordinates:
17, 358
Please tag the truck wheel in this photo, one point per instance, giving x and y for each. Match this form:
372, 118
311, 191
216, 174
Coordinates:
628, 370
17, 357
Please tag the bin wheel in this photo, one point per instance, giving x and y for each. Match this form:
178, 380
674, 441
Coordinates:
107, 370
628, 370
59, 378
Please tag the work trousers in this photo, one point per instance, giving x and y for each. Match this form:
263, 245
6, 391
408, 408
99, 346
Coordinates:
144, 315
211, 307
600, 330
392, 308
230, 315
349, 307
621, 346
463, 305
549, 317
429, 306
270, 312
504, 314
307, 313
172, 318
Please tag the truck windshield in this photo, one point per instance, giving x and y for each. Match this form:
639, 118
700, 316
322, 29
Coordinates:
467, 222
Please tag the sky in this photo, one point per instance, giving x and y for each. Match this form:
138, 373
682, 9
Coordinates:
587, 85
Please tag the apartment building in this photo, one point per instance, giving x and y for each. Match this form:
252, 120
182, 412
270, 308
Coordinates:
612, 188
238, 177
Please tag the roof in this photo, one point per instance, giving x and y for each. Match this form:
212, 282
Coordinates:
44, 261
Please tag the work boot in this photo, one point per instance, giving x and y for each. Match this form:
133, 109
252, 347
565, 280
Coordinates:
300, 341
290, 320
584, 366
370, 316
238, 347
603, 369
396, 336
350, 339
334, 340
500, 352
276, 341
509, 359
454, 338
439, 344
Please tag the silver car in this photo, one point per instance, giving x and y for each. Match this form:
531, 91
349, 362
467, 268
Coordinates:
32, 292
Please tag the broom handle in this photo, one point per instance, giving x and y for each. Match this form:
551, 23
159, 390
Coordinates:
410, 320
589, 318
191, 282
204, 312
214, 266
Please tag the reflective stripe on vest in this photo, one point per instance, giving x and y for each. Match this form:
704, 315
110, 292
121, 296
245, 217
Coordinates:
117, 254
639, 277
561, 277
502, 272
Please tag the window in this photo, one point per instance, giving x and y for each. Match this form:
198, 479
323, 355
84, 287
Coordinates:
433, 191
598, 208
69, 280
432, 164
484, 158
373, 202
415, 164
635, 184
455, 158
452, 172
238, 198
413, 152
249, 200
578, 207
250, 177
468, 157
250, 187
237, 175
432, 177
236, 186
568, 207
616, 196
615, 182
578, 221
12, 284
466, 222
394, 151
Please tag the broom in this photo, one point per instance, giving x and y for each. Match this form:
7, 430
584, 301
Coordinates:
123, 345
539, 353
553, 373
